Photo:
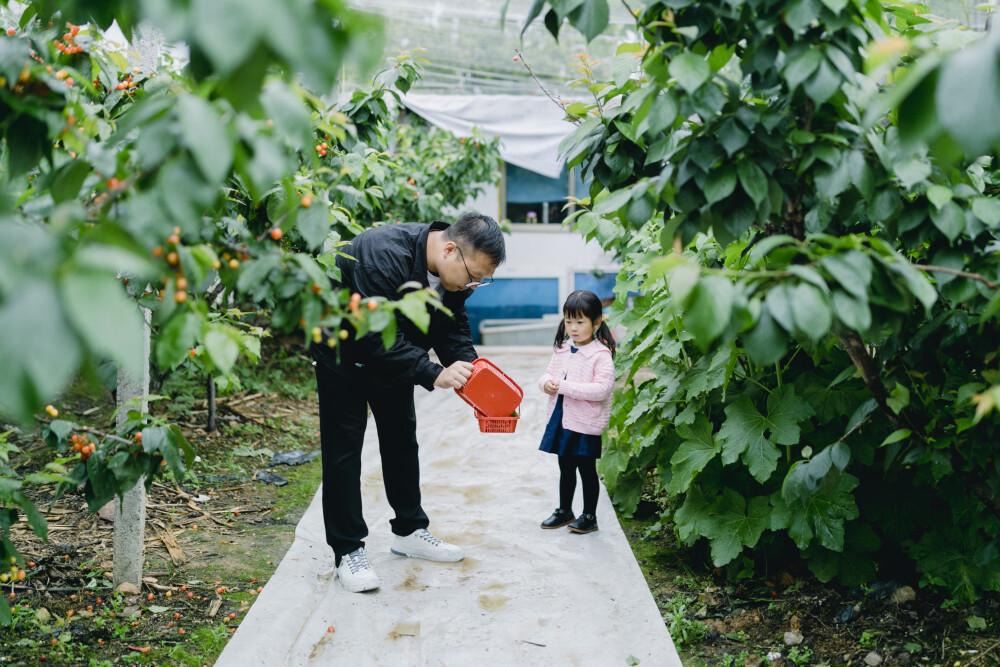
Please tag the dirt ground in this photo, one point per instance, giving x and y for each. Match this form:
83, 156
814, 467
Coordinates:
718, 622
226, 534
212, 540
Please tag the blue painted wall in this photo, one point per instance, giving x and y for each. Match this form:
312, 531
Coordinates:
603, 285
511, 298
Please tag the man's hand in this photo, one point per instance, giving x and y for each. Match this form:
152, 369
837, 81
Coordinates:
551, 387
455, 376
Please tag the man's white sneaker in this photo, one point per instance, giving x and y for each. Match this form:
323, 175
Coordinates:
356, 573
421, 544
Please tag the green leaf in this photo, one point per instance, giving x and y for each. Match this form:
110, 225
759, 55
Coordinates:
108, 321
785, 409
622, 68
720, 56
639, 211
313, 224
898, 399
987, 209
852, 269
745, 431
823, 514
662, 114
824, 83
800, 68
855, 565
833, 180
896, 436
916, 282
613, 201
222, 348
35, 518
694, 453
736, 524
590, 18
743, 435
810, 311
971, 73
976, 623
851, 310
800, 14
720, 183
949, 219
939, 195
693, 518
228, 31
753, 180
290, 116
206, 137
690, 70
912, 171
39, 354
732, 136
176, 340
389, 334
709, 307
766, 343
69, 179
416, 311
948, 552
255, 271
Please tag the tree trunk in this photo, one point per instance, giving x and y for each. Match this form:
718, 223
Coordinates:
211, 404
130, 510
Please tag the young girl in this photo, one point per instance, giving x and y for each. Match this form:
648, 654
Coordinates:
579, 381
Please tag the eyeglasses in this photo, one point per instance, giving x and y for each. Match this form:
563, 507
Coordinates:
473, 284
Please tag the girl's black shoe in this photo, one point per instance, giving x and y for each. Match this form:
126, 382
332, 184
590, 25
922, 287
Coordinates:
558, 519
586, 523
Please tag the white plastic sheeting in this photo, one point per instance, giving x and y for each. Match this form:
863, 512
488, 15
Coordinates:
522, 596
529, 127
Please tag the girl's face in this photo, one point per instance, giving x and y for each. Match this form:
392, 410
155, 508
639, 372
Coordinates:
580, 328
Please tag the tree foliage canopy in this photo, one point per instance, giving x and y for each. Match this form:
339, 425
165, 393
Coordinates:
211, 194
804, 198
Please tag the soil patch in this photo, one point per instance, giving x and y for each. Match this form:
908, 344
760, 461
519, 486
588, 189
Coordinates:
793, 619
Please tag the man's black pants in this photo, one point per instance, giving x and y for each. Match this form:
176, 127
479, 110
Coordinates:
344, 394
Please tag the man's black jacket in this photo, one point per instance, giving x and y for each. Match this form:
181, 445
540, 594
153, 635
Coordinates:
385, 258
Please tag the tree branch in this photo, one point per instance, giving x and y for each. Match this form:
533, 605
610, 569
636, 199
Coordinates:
928, 268
858, 353
576, 121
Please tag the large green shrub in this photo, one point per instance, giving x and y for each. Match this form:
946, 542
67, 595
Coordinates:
818, 273
203, 193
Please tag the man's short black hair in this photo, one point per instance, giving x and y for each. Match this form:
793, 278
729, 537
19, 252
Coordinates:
480, 233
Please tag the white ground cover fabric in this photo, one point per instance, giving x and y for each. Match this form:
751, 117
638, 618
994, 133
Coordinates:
522, 596
530, 127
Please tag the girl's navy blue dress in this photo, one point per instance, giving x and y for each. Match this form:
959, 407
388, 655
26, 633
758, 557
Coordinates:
563, 442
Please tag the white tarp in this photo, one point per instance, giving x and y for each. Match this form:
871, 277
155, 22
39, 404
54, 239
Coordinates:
529, 127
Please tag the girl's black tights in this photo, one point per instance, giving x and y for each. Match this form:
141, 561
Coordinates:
587, 465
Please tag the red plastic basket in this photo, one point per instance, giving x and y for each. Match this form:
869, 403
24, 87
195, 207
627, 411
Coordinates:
496, 424
491, 392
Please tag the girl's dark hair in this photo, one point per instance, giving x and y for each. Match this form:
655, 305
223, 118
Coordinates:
583, 303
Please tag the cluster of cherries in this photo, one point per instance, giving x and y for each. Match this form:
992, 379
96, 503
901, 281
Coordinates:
68, 44
127, 84
82, 444
15, 573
